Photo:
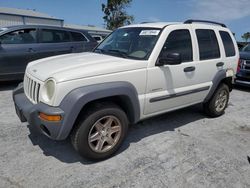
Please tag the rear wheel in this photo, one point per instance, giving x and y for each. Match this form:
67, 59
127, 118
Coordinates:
217, 104
100, 133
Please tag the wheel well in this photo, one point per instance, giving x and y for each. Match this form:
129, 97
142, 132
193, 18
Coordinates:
228, 82
122, 101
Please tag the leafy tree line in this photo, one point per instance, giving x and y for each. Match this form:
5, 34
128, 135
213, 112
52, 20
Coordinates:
115, 15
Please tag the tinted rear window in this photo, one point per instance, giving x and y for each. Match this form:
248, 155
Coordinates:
78, 36
208, 44
54, 36
228, 43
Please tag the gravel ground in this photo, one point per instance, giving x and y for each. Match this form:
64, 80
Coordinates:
179, 149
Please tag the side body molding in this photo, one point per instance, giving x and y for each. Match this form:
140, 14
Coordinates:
78, 98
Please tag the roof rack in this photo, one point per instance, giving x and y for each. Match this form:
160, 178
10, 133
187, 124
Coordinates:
146, 22
204, 21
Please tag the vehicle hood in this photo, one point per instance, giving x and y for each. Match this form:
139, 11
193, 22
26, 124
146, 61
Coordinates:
245, 55
80, 65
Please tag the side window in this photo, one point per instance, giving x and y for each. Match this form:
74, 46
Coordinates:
54, 36
23, 36
208, 44
77, 37
228, 43
179, 41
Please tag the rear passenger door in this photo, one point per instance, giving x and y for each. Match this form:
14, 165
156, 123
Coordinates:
210, 57
53, 42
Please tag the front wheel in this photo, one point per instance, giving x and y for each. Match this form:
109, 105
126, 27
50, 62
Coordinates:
217, 104
100, 134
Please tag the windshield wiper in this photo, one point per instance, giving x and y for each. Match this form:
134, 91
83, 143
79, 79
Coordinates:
122, 54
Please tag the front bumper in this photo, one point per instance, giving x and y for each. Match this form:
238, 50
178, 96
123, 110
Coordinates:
29, 112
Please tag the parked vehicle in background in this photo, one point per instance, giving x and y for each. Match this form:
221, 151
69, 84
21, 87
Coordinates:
240, 45
22, 44
98, 38
137, 72
243, 71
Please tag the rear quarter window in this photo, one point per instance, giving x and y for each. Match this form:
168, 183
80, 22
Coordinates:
77, 37
228, 43
54, 36
208, 44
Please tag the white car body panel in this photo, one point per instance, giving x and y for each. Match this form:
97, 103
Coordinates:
77, 70
81, 65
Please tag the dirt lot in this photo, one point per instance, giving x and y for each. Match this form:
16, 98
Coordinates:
178, 149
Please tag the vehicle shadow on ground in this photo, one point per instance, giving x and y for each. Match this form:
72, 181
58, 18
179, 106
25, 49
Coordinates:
63, 150
8, 85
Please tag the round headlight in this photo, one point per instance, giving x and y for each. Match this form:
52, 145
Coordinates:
49, 90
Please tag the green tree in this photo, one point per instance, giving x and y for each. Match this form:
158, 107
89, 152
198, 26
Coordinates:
115, 15
246, 36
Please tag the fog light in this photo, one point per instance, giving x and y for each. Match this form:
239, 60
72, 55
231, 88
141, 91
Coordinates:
47, 117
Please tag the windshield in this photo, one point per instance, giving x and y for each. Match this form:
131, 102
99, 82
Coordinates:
134, 43
246, 48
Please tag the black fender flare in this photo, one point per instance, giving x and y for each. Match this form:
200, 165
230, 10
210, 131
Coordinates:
73, 102
220, 75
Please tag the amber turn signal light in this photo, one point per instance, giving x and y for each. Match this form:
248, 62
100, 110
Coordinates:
47, 117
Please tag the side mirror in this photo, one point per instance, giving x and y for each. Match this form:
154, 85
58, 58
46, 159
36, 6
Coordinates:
169, 59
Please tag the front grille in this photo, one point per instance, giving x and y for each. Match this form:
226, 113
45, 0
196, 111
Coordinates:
31, 88
245, 65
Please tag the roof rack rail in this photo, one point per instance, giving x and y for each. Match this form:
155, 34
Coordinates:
146, 22
204, 21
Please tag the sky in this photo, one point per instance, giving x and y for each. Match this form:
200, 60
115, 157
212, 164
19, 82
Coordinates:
234, 13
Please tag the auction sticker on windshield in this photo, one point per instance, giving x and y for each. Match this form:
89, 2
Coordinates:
149, 32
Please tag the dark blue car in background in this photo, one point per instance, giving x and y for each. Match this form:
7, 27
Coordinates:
243, 72
22, 44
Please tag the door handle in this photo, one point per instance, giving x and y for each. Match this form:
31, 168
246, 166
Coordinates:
220, 64
189, 69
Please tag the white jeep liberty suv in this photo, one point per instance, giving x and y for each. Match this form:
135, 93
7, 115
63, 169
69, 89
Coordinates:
137, 72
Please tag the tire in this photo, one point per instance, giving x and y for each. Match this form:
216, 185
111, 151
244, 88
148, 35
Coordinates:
94, 136
218, 103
